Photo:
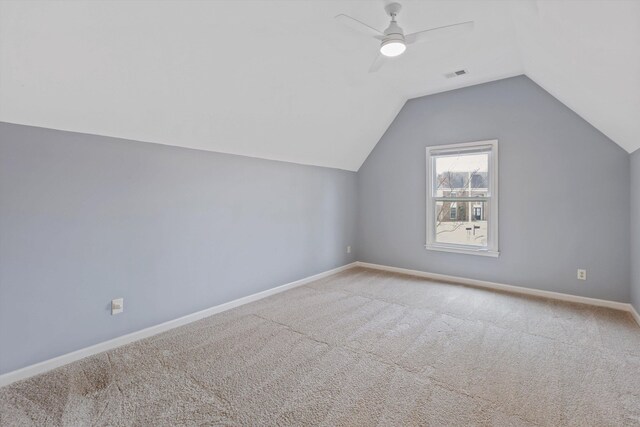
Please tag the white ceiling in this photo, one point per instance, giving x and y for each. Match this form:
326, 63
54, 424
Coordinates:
283, 80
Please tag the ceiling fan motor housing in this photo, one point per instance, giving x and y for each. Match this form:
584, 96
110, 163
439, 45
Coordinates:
393, 32
393, 43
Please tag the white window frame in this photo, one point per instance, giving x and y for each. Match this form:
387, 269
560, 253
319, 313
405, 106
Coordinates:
491, 198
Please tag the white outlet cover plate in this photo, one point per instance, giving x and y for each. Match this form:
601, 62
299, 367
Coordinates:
117, 306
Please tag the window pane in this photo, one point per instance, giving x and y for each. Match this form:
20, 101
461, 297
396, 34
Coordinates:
461, 175
462, 223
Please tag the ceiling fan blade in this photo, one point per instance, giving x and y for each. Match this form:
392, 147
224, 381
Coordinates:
436, 33
377, 63
358, 26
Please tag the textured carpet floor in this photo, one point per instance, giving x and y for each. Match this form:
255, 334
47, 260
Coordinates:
359, 348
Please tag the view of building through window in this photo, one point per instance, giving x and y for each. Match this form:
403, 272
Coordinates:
465, 177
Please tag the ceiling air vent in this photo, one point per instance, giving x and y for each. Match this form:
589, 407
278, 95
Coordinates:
456, 74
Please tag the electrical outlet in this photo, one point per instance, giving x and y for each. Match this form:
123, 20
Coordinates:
117, 306
348, 249
582, 274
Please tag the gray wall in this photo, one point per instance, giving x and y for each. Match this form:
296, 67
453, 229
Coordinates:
635, 230
564, 191
84, 219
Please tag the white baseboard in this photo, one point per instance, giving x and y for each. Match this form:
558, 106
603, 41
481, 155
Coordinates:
635, 314
65, 359
508, 288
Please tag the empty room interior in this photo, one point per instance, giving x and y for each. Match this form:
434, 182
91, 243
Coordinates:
320, 212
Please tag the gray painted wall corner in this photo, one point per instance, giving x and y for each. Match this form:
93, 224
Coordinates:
635, 230
84, 219
550, 222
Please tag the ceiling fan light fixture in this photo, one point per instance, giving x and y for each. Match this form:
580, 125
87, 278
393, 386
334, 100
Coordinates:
392, 47
393, 40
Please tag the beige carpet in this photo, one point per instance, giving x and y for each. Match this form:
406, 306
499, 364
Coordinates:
359, 348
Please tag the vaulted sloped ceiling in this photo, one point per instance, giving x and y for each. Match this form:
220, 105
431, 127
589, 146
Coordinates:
283, 80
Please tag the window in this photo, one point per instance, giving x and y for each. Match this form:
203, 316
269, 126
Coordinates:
462, 198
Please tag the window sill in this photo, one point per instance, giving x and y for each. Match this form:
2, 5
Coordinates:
466, 251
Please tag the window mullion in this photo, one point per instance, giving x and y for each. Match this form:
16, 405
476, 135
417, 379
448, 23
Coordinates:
461, 199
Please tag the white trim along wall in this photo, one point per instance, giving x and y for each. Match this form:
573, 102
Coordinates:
507, 288
65, 359
56, 362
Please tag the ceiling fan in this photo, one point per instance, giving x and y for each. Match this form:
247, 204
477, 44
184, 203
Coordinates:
393, 40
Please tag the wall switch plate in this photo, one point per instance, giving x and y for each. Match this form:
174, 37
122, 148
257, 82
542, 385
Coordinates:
117, 306
582, 274
348, 249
